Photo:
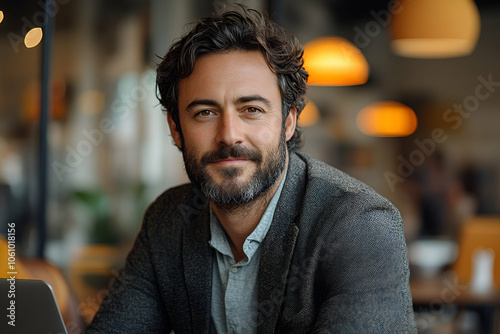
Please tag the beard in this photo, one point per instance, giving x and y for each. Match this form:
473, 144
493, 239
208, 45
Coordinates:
230, 192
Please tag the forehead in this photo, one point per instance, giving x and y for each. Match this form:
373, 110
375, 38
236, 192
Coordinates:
230, 74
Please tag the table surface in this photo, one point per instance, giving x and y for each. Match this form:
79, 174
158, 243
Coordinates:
445, 289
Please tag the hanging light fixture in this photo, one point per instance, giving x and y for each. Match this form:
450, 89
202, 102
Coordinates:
387, 119
435, 28
334, 61
1, 16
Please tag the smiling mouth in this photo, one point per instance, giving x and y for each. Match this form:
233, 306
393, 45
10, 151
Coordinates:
230, 161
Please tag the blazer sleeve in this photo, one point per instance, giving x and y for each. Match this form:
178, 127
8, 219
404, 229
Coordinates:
134, 304
365, 274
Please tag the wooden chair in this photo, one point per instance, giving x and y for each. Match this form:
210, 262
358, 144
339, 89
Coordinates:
479, 232
90, 273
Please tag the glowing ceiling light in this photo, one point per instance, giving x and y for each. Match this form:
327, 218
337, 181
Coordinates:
33, 37
435, 28
1, 16
334, 61
387, 119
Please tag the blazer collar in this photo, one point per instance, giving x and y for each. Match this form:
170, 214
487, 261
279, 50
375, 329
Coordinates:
197, 259
278, 246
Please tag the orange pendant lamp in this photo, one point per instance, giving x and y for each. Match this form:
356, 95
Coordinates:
435, 28
334, 61
387, 119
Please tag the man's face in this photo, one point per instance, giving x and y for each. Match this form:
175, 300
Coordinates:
234, 142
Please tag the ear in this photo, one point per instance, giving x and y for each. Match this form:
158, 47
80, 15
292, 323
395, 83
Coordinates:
291, 122
176, 135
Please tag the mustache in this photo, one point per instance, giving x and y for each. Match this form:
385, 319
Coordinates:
237, 152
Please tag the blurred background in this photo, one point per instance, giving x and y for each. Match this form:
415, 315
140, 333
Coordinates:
416, 120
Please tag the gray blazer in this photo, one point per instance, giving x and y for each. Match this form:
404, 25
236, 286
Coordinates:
333, 261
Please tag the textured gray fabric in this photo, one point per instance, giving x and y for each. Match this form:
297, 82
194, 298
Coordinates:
333, 261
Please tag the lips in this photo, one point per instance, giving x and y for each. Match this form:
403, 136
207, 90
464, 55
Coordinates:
231, 161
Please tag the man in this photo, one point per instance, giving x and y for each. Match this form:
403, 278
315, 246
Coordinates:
264, 239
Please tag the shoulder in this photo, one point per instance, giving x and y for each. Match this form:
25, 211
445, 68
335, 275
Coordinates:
175, 207
170, 199
348, 220
330, 184
336, 202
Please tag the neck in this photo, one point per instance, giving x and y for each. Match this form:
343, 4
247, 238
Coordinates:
240, 220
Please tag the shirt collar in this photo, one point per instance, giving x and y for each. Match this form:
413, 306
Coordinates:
252, 242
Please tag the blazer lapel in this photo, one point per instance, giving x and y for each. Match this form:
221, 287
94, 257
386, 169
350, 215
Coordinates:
278, 247
198, 257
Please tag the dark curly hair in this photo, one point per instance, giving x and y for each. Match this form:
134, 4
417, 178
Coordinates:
242, 30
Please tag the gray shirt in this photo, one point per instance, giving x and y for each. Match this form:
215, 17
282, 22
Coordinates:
234, 288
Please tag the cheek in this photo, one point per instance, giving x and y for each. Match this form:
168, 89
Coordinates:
266, 136
197, 139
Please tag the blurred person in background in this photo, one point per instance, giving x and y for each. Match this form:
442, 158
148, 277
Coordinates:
264, 239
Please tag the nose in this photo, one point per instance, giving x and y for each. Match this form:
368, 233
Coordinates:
229, 130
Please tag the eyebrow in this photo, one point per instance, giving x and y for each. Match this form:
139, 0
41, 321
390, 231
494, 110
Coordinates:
252, 98
240, 100
203, 103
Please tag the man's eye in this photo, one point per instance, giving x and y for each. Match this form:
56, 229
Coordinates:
253, 110
205, 113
